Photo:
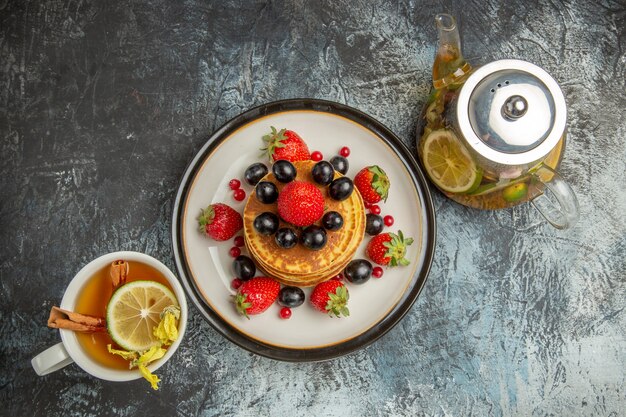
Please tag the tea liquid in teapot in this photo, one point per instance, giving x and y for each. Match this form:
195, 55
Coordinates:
450, 66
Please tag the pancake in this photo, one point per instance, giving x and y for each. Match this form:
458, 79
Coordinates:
304, 279
299, 265
301, 261
301, 281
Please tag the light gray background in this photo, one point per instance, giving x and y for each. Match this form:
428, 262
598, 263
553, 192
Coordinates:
103, 103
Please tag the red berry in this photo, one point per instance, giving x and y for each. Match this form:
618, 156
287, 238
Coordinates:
300, 203
367, 204
338, 277
377, 272
377, 249
285, 313
388, 249
388, 221
234, 251
374, 209
345, 152
285, 144
236, 283
239, 241
234, 184
317, 156
220, 221
239, 194
331, 297
373, 184
256, 296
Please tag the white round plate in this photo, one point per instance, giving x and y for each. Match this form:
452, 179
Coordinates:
206, 267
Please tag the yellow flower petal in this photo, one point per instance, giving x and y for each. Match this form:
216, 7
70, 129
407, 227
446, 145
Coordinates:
150, 355
129, 356
167, 330
150, 377
146, 358
172, 310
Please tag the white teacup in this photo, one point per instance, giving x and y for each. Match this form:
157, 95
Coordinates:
69, 349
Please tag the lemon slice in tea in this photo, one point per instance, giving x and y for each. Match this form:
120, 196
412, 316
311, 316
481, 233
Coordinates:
448, 165
134, 311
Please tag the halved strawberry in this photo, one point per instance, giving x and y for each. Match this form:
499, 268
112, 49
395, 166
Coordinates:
373, 184
331, 297
220, 221
285, 144
389, 249
256, 295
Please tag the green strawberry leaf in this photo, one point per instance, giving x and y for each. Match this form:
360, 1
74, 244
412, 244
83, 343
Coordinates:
242, 304
206, 217
380, 182
396, 249
404, 262
273, 140
337, 304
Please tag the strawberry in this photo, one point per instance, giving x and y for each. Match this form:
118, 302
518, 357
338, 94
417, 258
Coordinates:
219, 221
285, 144
389, 249
300, 203
331, 297
373, 184
256, 295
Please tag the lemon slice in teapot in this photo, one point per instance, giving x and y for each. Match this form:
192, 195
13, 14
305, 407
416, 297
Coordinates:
448, 164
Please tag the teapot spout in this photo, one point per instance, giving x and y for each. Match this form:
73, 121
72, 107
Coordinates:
450, 66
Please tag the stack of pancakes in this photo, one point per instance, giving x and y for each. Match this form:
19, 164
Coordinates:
300, 266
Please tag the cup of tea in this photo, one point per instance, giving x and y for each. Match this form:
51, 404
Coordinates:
88, 293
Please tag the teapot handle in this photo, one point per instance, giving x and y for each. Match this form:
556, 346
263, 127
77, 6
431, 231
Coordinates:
563, 212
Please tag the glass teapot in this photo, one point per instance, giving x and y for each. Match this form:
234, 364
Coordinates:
492, 137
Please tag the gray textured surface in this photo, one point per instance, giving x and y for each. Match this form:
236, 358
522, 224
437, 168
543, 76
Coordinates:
103, 103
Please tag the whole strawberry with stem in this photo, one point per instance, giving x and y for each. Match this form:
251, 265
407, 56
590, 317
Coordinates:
220, 221
331, 297
256, 295
285, 144
300, 203
373, 184
389, 249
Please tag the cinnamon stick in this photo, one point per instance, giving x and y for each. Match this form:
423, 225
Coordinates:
64, 319
119, 273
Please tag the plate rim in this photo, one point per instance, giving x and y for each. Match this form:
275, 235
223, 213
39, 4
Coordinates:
397, 312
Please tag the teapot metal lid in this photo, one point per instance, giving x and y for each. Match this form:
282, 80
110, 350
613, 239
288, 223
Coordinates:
511, 112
